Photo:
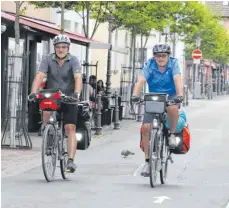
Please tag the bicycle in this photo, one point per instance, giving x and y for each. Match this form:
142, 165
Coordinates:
54, 136
159, 152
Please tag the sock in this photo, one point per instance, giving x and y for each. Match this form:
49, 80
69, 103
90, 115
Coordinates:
147, 160
70, 159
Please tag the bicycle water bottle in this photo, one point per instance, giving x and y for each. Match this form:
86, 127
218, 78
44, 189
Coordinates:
181, 122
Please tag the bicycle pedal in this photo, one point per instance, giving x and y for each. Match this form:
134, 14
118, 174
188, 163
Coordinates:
69, 170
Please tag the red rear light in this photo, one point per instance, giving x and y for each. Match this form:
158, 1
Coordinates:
56, 96
40, 96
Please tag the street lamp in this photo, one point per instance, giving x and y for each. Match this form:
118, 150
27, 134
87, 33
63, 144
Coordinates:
166, 32
108, 81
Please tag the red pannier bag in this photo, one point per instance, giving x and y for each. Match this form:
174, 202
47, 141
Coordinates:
184, 144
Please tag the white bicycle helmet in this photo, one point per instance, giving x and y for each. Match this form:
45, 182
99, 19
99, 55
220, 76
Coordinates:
161, 48
61, 39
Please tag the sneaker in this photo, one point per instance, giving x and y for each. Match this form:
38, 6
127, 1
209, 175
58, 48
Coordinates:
172, 141
71, 167
145, 170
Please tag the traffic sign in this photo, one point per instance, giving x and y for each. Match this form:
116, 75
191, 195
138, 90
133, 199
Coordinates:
196, 54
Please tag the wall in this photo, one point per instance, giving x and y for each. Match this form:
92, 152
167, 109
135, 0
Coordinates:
120, 38
73, 23
43, 14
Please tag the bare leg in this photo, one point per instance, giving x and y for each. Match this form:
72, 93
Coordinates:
145, 139
173, 115
70, 130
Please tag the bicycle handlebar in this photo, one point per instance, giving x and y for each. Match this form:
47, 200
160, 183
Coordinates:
63, 98
168, 102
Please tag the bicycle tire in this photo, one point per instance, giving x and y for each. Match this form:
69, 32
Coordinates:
164, 161
152, 158
64, 157
63, 165
53, 151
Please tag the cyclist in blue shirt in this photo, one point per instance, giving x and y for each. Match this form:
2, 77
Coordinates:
162, 74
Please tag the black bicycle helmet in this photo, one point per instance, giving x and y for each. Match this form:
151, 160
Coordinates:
161, 48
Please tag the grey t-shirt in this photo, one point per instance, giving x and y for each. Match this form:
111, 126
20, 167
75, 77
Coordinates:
60, 77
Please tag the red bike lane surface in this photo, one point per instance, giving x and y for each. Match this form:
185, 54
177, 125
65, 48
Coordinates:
17, 161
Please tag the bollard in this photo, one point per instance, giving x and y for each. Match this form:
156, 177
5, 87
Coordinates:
116, 113
98, 129
184, 92
187, 102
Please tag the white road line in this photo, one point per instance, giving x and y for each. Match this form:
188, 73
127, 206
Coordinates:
227, 206
136, 171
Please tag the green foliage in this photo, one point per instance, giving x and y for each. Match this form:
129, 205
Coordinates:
54, 4
214, 39
188, 19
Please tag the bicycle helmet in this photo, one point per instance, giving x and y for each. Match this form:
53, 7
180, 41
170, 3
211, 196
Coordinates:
161, 48
61, 39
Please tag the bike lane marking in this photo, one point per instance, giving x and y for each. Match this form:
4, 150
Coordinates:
137, 170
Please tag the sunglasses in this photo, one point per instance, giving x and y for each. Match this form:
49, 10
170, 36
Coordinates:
161, 55
63, 46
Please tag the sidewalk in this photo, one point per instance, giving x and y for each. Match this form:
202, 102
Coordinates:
17, 161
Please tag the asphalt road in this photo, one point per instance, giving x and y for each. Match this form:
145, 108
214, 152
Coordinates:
199, 179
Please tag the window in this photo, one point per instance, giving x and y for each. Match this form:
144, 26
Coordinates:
225, 3
138, 54
67, 24
76, 27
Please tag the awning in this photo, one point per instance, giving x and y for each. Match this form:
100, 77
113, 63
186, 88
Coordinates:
53, 29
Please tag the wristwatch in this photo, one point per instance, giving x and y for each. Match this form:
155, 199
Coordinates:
77, 94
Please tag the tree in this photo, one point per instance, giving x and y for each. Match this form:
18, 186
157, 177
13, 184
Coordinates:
214, 39
83, 8
17, 64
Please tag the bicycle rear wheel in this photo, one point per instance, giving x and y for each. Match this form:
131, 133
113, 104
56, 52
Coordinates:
49, 150
164, 161
153, 158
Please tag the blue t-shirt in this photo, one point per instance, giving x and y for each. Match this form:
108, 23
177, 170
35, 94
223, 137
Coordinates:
161, 82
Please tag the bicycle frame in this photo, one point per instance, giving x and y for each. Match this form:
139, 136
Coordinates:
158, 125
58, 126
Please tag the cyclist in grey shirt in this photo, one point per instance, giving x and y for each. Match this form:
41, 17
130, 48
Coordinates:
63, 71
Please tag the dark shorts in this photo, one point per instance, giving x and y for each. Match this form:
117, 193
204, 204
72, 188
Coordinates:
148, 117
70, 113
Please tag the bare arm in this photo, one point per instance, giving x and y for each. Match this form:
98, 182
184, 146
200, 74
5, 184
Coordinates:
139, 85
78, 82
76, 69
37, 81
178, 85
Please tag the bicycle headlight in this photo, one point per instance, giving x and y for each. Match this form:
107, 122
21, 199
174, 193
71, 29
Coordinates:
47, 95
155, 123
178, 140
154, 98
79, 136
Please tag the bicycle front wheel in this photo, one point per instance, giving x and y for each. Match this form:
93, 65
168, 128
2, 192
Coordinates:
153, 158
49, 152
164, 161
